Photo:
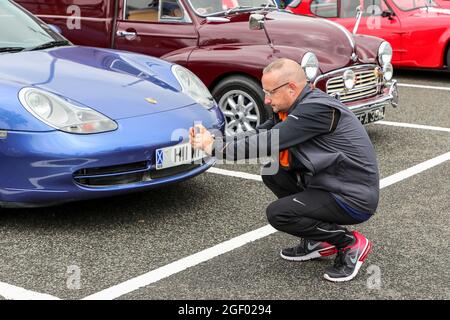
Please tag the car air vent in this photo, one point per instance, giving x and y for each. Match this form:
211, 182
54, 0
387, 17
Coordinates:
112, 175
126, 174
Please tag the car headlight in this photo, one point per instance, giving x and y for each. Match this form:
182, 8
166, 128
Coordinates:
193, 86
384, 53
62, 114
388, 71
310, 65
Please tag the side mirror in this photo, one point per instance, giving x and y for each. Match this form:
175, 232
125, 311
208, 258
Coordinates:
359, 13
387, 14
256, 21
54, 28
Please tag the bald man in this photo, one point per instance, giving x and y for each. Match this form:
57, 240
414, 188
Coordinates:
328, 174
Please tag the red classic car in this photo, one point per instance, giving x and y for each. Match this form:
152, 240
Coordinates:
228, 48
443, 3
418, 30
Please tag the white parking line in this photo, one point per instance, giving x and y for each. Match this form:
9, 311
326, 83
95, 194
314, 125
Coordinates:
236, 174
11, 292
224, 247
402, 175
412, 125
180, 265
410, 85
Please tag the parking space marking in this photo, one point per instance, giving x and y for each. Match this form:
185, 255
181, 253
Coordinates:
412, 125
234, 243
410, 85
180, 265
11, 292
404, 174
236, 174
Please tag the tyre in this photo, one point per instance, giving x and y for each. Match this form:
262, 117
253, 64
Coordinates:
448, 58
241, 100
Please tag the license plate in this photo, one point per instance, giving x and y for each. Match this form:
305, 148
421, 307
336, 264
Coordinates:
177, 155
371, 115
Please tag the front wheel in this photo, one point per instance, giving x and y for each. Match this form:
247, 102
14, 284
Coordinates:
242, 102
448, 58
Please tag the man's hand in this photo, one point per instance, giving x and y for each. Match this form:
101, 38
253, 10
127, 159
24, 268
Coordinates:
203, 139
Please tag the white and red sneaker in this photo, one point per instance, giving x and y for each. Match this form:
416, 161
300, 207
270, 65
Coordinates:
349, 260
307, 250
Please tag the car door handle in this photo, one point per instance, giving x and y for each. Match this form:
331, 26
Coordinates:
129, 35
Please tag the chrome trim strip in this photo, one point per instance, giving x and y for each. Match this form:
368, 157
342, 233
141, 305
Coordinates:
217, 19
331, 73
346, 32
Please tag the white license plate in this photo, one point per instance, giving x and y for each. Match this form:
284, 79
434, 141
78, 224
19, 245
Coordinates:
177, 155
371, 115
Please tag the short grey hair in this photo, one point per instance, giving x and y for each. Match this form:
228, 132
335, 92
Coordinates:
288, 69
276, 65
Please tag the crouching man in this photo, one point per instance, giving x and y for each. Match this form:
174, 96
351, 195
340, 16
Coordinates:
328, 174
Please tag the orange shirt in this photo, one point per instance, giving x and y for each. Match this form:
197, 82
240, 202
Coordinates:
284, 154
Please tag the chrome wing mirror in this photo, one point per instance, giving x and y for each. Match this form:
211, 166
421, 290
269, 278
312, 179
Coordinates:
359, 14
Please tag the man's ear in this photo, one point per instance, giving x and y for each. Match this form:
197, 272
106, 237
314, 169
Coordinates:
292, 87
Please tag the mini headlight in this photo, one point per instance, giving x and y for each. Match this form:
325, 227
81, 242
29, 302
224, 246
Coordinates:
310, 65
193, 86
349, 79
388, 71
384, 53
62, 114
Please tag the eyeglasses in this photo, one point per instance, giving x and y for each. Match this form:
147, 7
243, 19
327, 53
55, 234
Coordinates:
270, 93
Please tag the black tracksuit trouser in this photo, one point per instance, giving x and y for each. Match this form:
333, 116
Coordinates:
311, 214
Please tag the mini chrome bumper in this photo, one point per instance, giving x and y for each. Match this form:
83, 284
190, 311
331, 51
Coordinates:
391, 98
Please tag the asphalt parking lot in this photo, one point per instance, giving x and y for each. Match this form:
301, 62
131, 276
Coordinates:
194, 240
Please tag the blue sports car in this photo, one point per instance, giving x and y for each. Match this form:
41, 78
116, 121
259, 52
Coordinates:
79, 122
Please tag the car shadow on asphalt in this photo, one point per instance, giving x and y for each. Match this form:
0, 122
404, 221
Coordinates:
109, 209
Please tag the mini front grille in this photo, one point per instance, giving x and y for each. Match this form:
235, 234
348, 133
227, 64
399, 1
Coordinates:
367, 85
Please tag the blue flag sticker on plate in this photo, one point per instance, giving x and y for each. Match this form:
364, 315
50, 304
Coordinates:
159, 158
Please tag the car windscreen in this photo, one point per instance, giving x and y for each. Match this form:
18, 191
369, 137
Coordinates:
19, 29
213, 7
408, 5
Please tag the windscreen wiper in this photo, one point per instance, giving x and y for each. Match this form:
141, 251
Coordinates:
237, 9
245, 8
230, 11
11, 49
50, 44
